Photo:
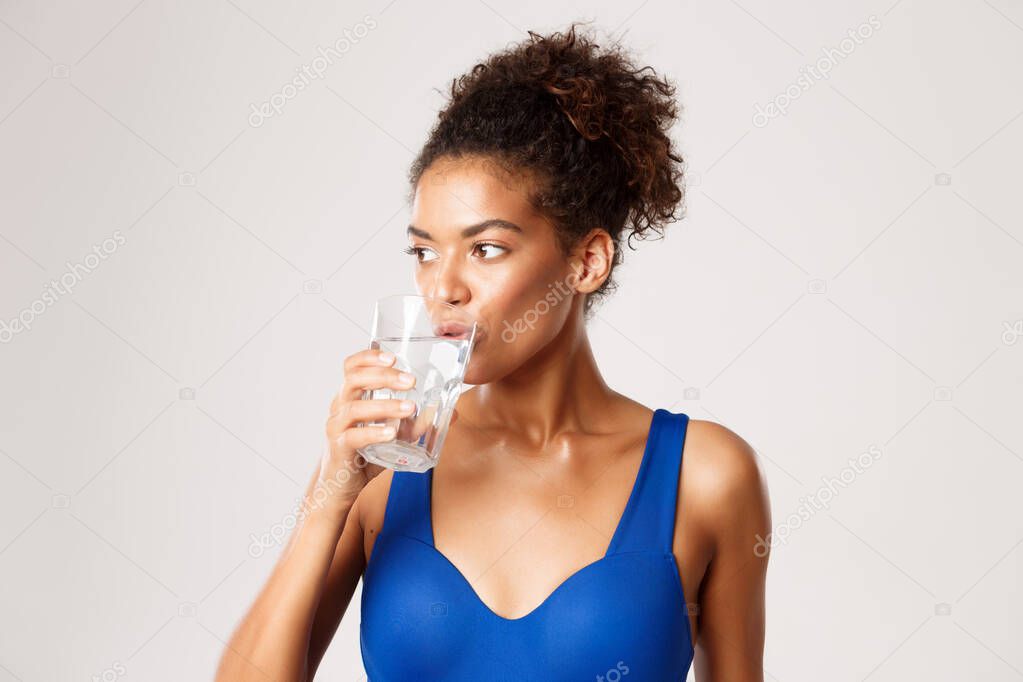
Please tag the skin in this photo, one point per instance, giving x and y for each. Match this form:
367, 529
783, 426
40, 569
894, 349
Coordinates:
540, 424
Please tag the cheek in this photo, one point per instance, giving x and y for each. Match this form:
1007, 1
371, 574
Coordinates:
533, 313
523, 315
525, 302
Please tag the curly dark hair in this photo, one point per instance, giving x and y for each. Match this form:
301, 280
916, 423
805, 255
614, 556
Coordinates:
584, 122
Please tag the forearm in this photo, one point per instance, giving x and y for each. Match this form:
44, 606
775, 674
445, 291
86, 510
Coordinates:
272, 641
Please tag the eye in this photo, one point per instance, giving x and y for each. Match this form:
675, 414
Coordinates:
488, 245
416, 251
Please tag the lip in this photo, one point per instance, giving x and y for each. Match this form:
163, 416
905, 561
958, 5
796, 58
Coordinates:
453, 330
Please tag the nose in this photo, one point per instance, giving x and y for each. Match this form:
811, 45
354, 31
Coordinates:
448, 285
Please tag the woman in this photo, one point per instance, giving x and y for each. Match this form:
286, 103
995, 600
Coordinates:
560, 536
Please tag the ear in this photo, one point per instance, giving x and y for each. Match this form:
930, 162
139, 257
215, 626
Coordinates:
591, 260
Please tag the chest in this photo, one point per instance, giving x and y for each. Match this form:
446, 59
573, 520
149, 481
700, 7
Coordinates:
519, 559
421, 619
515, 530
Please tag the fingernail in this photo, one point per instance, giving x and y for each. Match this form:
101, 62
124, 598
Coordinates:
387, 431
406, 378
386, 357
406, 405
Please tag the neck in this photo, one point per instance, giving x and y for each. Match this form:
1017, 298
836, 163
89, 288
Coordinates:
559, 389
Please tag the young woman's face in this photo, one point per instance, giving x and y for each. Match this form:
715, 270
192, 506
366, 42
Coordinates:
479, 245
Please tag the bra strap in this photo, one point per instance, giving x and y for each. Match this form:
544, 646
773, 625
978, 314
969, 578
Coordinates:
408, 506
648, 523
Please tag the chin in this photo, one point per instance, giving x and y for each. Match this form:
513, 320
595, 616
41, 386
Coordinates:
473, 375
480, 371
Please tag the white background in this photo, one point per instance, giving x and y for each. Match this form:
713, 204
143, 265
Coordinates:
848, 276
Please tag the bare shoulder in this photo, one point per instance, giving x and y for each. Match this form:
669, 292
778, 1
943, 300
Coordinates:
720, 459
723, 484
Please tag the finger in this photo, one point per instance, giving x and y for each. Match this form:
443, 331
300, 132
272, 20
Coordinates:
369, 356
360, 436
373, 410
366, 378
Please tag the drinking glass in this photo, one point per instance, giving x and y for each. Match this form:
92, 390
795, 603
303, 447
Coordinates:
432, 340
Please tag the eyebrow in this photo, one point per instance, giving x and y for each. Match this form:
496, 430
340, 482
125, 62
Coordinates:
472, 230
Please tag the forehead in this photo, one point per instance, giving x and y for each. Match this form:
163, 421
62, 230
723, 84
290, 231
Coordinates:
458, 192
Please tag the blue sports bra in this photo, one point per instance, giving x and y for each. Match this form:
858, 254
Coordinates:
622, 616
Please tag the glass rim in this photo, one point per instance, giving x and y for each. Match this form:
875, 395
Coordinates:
451, 314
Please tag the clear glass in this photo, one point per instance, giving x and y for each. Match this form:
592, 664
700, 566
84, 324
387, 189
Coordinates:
432, 340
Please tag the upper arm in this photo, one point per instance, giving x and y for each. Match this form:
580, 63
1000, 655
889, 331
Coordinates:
734, 508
